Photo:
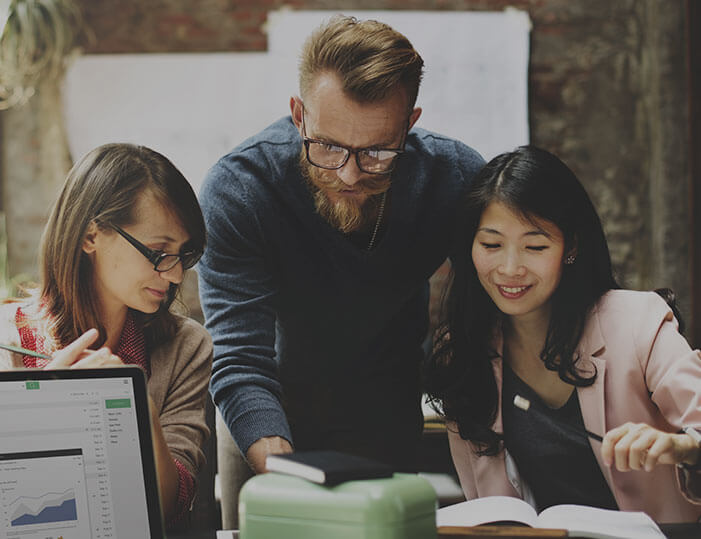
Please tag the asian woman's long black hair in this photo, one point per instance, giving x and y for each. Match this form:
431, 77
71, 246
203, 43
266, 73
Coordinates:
459, 376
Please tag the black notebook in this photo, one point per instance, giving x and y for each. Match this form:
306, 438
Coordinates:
327, 467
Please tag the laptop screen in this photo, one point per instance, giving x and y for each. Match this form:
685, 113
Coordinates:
76, 459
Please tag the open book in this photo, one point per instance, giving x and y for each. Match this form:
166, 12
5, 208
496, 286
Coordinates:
578, 520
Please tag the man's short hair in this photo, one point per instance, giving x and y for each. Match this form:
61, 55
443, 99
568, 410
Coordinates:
370, 57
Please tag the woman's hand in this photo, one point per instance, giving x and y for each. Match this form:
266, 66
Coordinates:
637, 446
77, 355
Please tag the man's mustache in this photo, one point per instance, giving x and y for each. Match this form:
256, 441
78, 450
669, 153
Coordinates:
369, 186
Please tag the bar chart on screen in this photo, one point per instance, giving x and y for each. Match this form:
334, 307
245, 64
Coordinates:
36, 508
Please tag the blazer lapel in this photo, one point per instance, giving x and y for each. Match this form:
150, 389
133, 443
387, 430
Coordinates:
591, 399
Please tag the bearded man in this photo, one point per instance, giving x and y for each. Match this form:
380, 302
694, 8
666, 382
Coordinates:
323, 231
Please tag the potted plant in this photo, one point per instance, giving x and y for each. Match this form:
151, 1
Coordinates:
36, 41
37, 36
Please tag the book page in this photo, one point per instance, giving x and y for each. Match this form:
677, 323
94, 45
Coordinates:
486, 510
583, 521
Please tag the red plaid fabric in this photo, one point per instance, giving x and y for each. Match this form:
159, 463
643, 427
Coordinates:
31, 341
132, 345
186, 493
132, 350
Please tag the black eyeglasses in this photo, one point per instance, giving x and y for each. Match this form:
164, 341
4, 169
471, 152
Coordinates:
333, 156
161, 261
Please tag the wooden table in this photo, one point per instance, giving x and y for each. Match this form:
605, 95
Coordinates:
672, 531
453, 532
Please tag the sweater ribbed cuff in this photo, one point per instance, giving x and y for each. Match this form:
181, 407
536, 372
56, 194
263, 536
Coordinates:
253, 425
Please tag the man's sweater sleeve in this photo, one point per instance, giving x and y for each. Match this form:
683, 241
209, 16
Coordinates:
237, 291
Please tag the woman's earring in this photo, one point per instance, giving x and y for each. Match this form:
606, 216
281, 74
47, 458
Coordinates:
570, 259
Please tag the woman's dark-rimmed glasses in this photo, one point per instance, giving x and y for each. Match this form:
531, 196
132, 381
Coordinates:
161, 261
323, 154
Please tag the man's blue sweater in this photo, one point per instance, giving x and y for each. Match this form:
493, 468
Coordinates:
317, 339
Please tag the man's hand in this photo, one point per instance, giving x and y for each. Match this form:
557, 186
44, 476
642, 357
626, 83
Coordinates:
262, 448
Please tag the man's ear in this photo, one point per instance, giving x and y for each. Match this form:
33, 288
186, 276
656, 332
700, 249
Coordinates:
414, 116
90, 238
296, 109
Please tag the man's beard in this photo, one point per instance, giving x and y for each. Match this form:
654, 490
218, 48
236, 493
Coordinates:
346, 214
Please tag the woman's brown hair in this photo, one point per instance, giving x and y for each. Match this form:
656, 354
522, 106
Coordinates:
102, 188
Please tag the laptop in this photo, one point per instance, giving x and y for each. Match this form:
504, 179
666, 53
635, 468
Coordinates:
76, 458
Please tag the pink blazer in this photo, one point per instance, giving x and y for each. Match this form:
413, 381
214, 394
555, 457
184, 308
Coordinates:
647, 373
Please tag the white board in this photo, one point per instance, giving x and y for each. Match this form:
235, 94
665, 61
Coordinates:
196, 107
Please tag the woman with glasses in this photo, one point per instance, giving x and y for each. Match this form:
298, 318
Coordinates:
123, 231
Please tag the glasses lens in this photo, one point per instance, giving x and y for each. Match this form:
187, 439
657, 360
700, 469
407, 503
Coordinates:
326, 155
167, 262
190, 258
376, 161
